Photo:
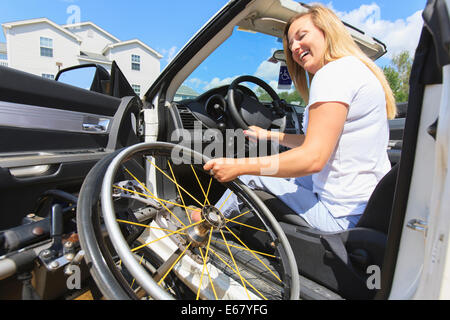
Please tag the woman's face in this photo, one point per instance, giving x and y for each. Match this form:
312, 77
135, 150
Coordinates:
307, 44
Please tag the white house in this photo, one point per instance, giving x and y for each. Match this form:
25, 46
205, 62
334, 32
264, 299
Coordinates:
42, 47
141, 62
3, 55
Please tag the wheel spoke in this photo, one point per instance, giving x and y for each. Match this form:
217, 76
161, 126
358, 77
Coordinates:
231, 220
166, 265
226, 200
245, 249
160, 202
209, 276
176, 261
245, 225
242, 224
204, 263
201, 187
179, 192
167, 235
207, 192
221, 259
235, 264
253, 254
155, 198
134, 279
145, 225
167, 176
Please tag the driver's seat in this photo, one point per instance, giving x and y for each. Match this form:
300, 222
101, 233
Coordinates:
340, 261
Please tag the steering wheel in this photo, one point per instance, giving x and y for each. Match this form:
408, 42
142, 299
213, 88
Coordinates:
148, 247
247, 111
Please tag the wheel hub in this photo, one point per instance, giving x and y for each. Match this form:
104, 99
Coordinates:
212, 219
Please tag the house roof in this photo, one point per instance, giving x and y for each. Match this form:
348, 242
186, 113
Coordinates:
94, 57
137, 41
89, 23
66, 29
10, 25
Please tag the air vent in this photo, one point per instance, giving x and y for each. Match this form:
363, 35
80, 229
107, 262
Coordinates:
187, 118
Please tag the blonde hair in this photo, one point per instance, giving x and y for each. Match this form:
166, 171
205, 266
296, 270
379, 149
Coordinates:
339, 43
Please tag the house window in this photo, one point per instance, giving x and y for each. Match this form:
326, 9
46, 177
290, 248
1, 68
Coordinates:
137, 89
46, 47
135, 62
48, 76
3, 56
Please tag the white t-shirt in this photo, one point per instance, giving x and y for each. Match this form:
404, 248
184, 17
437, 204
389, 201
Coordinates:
360, 158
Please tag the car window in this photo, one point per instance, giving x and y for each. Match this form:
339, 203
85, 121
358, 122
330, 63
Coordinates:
244, 53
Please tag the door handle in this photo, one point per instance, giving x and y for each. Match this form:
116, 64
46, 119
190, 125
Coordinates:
93, 127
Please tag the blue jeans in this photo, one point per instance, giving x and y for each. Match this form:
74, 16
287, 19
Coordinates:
297, 194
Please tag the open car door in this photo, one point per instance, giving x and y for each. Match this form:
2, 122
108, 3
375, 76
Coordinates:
52, 134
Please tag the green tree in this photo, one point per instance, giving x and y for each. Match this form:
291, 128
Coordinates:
262, 95
290, 97
397, 74
294, 96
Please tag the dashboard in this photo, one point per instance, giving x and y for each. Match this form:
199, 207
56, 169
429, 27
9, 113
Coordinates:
211, 110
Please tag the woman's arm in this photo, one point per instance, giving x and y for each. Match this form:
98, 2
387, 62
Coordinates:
325, 124
285, 139
290, 140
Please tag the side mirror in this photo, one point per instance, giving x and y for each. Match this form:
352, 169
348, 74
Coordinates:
91, 77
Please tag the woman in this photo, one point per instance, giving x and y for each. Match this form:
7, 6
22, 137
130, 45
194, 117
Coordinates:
331, 171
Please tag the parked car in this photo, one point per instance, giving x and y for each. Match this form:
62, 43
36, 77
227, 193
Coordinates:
95, 186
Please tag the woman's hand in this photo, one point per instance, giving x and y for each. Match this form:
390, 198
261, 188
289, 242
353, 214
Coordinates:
223, 169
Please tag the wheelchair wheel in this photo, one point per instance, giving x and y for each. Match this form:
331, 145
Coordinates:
141, 245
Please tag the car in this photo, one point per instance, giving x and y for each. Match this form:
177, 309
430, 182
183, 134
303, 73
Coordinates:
97, 184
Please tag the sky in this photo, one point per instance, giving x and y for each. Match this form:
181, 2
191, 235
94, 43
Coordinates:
167, 25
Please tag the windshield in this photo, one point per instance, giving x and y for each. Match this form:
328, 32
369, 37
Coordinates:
244, 53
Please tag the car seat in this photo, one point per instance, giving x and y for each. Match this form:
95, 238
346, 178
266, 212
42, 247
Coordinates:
340, 261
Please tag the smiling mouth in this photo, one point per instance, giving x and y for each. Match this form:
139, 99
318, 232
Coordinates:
304, 54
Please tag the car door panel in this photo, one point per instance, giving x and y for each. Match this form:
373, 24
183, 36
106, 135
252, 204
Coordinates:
51, 136
20, 195
25, 88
